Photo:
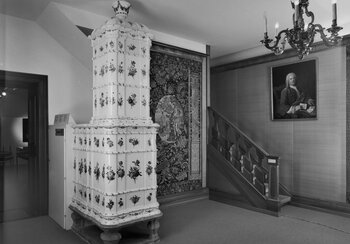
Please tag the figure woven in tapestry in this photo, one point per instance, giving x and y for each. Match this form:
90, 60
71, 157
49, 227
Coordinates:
175, 105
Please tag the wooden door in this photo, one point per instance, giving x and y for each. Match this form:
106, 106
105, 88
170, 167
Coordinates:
36, 153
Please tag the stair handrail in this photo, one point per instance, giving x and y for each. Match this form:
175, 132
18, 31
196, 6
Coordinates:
241, 132
272, 161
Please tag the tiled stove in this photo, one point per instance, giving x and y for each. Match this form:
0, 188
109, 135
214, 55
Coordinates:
115, 154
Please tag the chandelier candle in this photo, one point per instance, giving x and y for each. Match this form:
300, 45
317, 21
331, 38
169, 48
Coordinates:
265, 19
277, 25
296, 3
334, 12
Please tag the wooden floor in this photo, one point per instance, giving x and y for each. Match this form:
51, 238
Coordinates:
206, 222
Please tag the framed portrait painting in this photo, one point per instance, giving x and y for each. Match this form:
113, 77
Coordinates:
293, 91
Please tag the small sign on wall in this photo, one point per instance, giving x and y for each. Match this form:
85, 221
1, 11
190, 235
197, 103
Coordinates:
272, 161
59, 132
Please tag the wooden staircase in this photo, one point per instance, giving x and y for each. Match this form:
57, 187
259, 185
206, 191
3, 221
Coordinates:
248, 167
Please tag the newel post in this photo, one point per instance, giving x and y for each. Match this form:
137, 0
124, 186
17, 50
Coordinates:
274, 176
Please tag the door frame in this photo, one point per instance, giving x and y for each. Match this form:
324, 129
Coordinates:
40, 82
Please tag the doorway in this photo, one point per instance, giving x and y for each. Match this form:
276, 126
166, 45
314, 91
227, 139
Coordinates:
23, 146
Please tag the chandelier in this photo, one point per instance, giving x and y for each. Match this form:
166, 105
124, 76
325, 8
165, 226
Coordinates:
302, 35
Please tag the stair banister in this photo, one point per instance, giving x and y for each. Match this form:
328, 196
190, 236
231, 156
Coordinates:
219, 128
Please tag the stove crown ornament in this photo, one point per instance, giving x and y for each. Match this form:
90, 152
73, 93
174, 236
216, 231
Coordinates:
121, 9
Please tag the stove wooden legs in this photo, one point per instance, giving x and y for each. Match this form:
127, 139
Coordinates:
110, 236
153, 227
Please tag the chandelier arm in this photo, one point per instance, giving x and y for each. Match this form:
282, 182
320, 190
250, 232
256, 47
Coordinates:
328, 41
267, 41
310, 15
311, 34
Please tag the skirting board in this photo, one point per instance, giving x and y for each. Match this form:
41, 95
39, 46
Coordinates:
332, 207
236, 200
183, 198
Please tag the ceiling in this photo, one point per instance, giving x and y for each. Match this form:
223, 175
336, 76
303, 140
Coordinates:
228, 26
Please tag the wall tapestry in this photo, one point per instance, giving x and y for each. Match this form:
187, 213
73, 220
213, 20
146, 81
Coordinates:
294, 91
175, 81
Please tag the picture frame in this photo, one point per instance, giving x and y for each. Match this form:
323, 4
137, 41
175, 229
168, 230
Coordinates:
294, 91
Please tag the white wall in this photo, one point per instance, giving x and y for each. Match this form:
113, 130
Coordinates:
29, 49
91, 20
242, 55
